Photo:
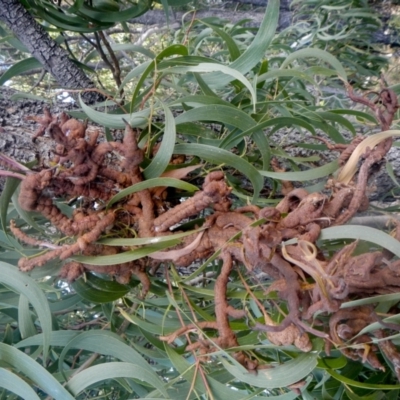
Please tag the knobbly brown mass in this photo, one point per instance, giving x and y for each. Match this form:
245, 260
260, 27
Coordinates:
313, 284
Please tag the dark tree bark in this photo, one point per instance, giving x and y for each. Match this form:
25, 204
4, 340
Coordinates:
53, 57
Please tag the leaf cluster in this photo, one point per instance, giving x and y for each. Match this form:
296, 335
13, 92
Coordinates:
231, 100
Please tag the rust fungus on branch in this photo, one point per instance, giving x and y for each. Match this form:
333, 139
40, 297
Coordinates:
312, 284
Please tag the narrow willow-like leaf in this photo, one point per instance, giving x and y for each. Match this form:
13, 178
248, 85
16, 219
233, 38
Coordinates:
93, 341
219, 156
301, 176
125, 256
280, 376
8, 190
256, 51
112, 370
25, 323
57, 338
356, 113
231, 117
279, 122
335, 117
151, 183
15, 384
201, 100
372, 300
230, 43
316, 53
19, 68
363, 233
210, 67
99, 16
164, 154
94, 295
115, 120
23, 284
34, 371
289, 73
143, 241
363, 385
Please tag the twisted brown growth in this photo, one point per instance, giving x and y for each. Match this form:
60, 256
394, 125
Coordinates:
308, 281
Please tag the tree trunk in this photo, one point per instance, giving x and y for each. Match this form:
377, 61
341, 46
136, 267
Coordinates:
53, 57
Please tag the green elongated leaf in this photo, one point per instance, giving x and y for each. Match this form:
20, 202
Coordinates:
204, 87
256, 51
375, 396
358, 114
372, 300
155, 329
220, 156
19, 68
231, 45
332, 363
57, 338
201, 100
125, 256
363, 233
279, 376
65, 304
8, 190
115, 120
320, 54
231, 117
106, 285
151, 183
114, 17
112, 370
52, 18
279, 122
34, 371
335, 117
143, 241
15, 384
94, 341
25, 323
210, 67
164, 154
351, 382
95, 295
289, 73
23, 284
301, 176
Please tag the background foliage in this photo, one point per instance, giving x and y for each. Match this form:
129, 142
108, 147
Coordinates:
223, 94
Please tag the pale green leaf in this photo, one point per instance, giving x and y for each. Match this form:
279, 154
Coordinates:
164, 153
15, 384
22, 283
112, 370
319, 54
362, 233
34, 371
